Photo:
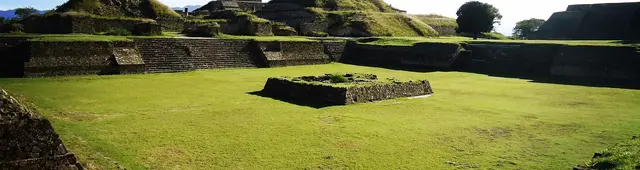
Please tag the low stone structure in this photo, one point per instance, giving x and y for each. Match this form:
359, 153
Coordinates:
28, 141
358, 88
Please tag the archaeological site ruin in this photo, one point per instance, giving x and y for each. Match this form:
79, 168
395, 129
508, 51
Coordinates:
350, 64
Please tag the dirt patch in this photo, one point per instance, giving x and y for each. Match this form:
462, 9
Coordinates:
77, 116
494, 132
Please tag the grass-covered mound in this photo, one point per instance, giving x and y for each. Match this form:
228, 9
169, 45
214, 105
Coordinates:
120, 8
342, 5
444, 25
624, 155
375, 23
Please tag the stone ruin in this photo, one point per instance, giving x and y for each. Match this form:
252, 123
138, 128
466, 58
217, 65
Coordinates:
28, 141
608, 21
343, 89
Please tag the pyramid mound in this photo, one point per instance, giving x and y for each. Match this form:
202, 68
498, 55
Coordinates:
342, 5
120, 8
345, 18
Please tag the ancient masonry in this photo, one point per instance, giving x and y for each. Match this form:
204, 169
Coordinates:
28, 141
610, 21
23, 58
325, 93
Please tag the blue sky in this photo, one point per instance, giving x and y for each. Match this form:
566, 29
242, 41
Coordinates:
512, 10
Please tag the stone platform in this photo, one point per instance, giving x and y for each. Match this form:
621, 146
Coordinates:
358, 88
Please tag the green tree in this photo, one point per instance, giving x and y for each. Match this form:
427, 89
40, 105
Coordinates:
477, 17
25, 12
525, 28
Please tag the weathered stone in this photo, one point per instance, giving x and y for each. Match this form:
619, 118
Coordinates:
27, 139
333, 95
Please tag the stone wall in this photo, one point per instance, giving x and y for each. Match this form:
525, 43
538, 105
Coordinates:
334, 49
171, 25
610, 21
58, 24
72, 58
312, 93
28, 141
330, 95
281, 54
13, 54
608, 62
434, 55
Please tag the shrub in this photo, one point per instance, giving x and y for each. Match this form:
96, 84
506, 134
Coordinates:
118, 32
14, 28
318, 34
338, 79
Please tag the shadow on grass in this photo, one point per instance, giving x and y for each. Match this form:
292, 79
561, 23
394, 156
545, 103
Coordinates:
527, 75
295, 101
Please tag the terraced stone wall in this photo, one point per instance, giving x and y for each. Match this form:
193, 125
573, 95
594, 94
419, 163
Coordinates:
28, 141
608, 21
434, 55
281, 54
609, 62
13, 54
72, 58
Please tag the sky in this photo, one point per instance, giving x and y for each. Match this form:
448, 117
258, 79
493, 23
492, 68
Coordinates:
511, 10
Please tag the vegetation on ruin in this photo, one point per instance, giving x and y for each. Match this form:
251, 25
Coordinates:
437, 20
252, 18
377, 23
83, 37
120, 8
210, 120
343, 5
619, 156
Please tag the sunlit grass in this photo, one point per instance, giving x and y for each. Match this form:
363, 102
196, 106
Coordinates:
208, 120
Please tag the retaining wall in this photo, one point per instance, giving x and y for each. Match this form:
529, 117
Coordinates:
13, 54
328, 95
281, 54
434, 55
609, 62
72, 58
28, 141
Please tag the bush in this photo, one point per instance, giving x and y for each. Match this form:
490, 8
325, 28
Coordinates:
13, 28
118, 32
318, 34
338, 79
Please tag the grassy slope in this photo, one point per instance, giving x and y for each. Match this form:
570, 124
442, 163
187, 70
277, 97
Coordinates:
350, 5
207, 120
128, 8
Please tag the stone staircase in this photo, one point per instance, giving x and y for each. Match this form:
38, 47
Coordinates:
179, 55
164, 55
210, 53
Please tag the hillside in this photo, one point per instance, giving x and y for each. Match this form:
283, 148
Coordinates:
351, 18
342, 5
444, 25
11, 13
120, 8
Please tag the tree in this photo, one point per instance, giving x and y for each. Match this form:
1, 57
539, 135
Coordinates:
477, 17
525, 28
2, 20
25, 12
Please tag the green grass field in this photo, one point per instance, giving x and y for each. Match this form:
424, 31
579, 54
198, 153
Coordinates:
208, 120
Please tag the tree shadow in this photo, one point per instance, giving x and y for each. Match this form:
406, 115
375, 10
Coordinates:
295, 101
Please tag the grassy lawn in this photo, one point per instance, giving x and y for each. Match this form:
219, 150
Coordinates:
207, 120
